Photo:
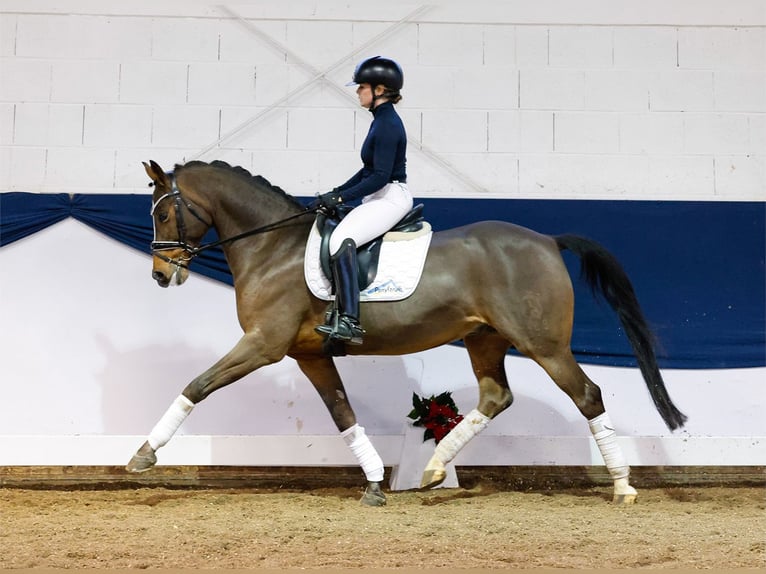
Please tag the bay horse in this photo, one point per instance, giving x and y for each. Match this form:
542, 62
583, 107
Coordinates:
494, 285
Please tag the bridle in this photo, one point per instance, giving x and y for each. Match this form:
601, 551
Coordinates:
191, 251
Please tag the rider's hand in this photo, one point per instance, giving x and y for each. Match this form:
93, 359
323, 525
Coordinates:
327, 201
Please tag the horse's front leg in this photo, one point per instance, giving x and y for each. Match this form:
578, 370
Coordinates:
324, 376
244, 358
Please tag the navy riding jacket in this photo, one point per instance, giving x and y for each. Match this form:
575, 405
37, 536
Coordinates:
383, 155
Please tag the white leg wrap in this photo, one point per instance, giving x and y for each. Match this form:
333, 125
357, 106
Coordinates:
471, 425
365, 453
170, 421
606, 439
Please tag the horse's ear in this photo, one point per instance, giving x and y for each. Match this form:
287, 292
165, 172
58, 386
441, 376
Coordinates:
156, 173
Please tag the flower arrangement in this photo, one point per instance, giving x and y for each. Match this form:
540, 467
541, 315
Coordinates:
438, 414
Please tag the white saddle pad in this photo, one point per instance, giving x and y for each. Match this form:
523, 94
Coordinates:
402, 257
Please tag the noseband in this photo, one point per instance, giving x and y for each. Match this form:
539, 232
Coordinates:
178, 201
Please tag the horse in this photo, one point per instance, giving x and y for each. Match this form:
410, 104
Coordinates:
514, 291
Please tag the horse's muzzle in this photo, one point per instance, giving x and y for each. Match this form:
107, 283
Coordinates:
161, 279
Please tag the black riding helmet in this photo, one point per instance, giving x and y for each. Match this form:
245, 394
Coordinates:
378, 71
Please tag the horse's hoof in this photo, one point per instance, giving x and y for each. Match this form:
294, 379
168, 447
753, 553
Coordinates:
625, 498
432, 478
373, 495
624, 493
141, 462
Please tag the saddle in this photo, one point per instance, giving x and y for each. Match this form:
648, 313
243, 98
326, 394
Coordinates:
367, 255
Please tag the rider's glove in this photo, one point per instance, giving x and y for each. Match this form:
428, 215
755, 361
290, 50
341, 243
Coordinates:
327, 201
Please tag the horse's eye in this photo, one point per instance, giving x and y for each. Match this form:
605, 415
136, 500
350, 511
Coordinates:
163, 216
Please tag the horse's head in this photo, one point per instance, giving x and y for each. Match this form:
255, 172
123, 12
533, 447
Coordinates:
179, 226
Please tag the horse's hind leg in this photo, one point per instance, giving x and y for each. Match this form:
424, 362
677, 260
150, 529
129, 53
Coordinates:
571, 379
487, 351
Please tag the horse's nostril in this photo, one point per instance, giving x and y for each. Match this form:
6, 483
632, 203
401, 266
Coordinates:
158, 275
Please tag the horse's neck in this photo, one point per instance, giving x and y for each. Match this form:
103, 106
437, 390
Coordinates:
241, 210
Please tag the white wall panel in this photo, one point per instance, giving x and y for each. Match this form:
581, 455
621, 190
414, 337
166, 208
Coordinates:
690, 177
739, 174
430, 87
25, 80
7, 123
532, 46
258, 128
495, 171
331, 130
47, 36
463, 131
616, 90
487, 87
239, 44
111, 126
222, 84
716, 133
129, 172
298, 172
584, 47
184, 39
722, 48
450, 45
652, 132
681, 91
78, 170
8, 23
499, 45
562, 175
397, 41
596, 133
26, 168
150, 82
321, 44
740, 92
192, 125
757, 131
39, 124
645, 48
189, 66
5, 166
521, 131
82, 81
547, 89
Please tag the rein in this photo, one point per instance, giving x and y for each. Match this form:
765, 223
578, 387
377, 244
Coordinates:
192, 251
263, 229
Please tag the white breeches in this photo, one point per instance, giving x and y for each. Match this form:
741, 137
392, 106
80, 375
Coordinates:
378, 213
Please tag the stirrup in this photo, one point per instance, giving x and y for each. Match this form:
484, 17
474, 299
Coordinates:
346, 329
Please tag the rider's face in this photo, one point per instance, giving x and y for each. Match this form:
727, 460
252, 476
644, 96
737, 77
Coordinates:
364, 93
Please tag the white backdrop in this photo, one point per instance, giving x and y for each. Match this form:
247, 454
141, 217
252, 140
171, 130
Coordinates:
92, 352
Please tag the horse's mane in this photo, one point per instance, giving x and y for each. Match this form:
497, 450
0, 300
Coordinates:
255, 180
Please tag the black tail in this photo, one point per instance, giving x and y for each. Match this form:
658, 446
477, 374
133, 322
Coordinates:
605, 275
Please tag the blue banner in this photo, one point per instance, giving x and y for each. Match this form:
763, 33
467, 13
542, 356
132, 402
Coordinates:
697, 267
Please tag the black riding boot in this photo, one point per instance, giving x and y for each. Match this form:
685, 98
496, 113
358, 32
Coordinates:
345, 326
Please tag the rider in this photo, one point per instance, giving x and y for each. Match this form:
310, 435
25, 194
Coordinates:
381, 184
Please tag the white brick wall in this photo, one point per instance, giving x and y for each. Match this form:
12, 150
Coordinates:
645, 100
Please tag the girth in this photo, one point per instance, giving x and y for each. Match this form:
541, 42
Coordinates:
367, 255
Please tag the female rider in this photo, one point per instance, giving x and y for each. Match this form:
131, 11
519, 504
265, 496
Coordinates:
381, 184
